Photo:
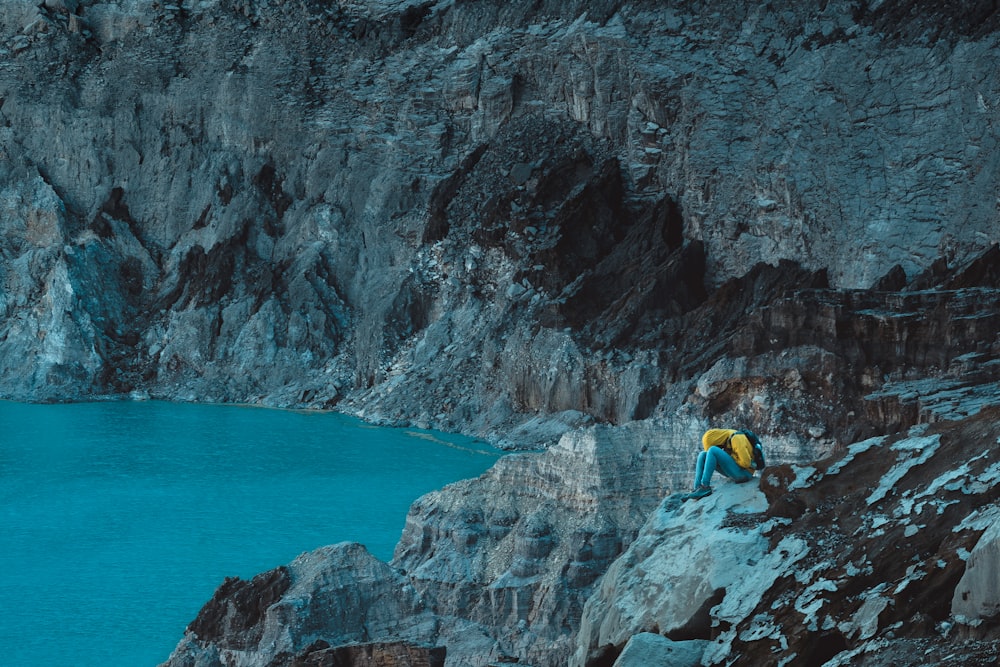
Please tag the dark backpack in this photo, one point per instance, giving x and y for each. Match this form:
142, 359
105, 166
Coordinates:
758, 449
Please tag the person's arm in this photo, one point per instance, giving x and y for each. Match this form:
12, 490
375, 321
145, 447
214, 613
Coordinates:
742, 451
717, 437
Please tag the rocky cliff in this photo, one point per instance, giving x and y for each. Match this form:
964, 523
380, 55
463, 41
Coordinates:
594, 228
460, 213
878, 549
878, 557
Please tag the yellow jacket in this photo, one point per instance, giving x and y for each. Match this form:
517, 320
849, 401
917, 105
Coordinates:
736, 445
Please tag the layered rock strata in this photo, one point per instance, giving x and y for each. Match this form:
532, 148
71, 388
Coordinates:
504, 565
866, 557
457, 214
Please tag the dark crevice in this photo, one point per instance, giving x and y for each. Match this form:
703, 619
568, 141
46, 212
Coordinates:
912, 20
699, 625
821, 648
437, 216
203, 218
410, 313
270, 184
116, 207
205, 277
605, 656
411, 18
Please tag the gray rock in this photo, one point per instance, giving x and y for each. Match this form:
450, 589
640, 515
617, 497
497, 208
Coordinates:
673, 573
520, 549
339, 593
646, 648
977, 595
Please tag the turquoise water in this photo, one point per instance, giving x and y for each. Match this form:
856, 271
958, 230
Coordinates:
119, 520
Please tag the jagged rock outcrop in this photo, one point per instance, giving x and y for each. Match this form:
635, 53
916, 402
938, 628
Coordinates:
331, 597
502, 565
867, 557
505, 563
827, 563
519, 549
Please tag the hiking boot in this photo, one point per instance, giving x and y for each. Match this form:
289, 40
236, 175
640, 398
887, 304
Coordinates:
700, 492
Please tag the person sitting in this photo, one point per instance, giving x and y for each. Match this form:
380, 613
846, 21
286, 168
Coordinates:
735, 454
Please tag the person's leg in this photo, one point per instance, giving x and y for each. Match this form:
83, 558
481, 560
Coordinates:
728, 466
699, 468
709, 463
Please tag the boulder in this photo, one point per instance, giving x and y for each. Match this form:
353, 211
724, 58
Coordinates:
646, 649
685, 567
977, 595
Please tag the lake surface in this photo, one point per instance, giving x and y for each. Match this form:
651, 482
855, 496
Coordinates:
118, 520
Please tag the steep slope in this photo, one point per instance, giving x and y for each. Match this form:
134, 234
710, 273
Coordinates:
415, 210
505, 564
885, 555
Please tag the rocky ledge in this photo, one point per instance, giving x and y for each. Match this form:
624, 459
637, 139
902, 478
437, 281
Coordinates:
883, 554
867, 540
886, 555
877, 504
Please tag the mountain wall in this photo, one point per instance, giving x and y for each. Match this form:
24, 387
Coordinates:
459, 213
590, 228
878, 549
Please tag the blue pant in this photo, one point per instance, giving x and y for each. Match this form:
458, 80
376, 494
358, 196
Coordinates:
716, 458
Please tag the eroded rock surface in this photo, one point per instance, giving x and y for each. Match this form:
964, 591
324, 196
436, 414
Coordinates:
338, 595
566, 554
872, 556
824, 564
382, 654
457, 214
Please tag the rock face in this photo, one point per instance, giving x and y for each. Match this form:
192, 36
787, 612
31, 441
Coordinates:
372, 655
518, 550
458, 214
824, 564
882, 554
335, 596
590, 228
